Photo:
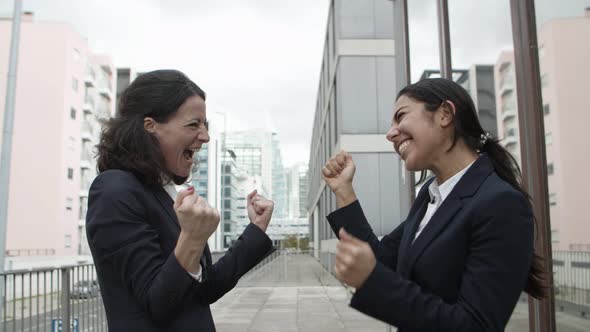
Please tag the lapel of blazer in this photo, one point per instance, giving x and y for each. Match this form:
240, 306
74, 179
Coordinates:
414, 217
466, 187
167, 204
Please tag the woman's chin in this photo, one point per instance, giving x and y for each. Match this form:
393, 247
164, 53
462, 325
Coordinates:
179, 179
411, 165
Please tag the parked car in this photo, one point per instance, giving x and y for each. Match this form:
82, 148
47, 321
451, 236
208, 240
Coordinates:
85, 289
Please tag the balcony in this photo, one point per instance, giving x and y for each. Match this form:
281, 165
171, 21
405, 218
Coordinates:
85, 164
107, 69
87, 132
89, 80
88, 104
87, 127
86, 156
90, 77
85, 187
511, 133
106, 92
508, 113
507, 83
510, 141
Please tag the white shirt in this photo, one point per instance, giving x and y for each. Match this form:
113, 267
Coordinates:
170, 188
437, 195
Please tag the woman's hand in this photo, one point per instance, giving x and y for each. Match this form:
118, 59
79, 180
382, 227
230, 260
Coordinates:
338, 174
355, 260
196, 218
197, 222
259, 210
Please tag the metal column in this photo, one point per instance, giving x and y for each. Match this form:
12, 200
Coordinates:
444, 39
532, 146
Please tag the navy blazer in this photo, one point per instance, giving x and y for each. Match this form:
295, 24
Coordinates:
132, 231
467, 268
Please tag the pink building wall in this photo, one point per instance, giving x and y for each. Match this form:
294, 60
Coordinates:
564, 56
43, 210
565, 67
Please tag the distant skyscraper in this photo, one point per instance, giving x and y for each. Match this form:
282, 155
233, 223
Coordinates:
200, 176
258, 153
297, 190
63, 90
231, 198
279, 187
303, 190
254, 154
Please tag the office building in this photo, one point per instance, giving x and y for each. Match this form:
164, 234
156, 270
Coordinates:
59, 104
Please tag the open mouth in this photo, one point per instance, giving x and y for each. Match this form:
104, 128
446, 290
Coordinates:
404, 146
188, 154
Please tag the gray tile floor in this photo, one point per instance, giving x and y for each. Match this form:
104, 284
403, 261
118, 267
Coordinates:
295, 293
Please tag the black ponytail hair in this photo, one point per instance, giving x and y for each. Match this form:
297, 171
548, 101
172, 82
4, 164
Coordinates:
435, 92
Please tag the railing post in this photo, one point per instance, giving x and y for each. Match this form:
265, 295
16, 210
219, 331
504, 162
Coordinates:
65, 299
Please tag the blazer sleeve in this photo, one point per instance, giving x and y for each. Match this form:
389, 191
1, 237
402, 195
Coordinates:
353, 219
495, 273
121, 237
250, 248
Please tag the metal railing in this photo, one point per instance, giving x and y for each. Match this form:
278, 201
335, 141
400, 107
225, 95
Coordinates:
30, 252
571, 279
45, 299
216, 255
263, 264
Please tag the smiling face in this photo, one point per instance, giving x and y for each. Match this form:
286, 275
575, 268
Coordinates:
182, 135
418, 135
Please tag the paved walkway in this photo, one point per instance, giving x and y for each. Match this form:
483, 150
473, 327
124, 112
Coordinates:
291, 293
566, 322
295, 293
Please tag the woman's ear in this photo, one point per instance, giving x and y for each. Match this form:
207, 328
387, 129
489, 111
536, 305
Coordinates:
149, 124
447, 114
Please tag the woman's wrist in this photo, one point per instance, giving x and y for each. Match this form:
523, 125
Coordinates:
188, 252
345, 196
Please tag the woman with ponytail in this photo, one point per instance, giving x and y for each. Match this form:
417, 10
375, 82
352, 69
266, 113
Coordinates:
461, 259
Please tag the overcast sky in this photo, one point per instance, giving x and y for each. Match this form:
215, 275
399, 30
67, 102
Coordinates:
259, 60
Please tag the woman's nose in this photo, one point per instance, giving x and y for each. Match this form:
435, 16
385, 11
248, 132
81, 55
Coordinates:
203, 136
392, 133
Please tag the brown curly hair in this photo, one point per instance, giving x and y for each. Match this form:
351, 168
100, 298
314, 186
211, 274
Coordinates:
125, 144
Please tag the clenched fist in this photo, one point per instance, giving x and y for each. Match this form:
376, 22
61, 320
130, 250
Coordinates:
259, 210
197, 222
338, 174
355, 260
196, 218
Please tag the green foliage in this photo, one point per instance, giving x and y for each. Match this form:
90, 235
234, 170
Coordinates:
291, 242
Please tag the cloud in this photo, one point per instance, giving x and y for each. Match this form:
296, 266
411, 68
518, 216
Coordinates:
479, 30
261, 59
258, 61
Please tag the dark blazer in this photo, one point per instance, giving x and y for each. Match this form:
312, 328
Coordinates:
132, 231
464, 272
